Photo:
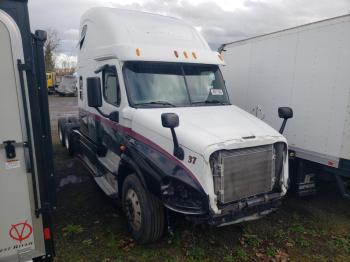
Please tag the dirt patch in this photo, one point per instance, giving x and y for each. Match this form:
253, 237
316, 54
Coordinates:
91, 227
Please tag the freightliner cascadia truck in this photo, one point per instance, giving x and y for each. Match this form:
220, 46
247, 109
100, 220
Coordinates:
157, 130
26, 169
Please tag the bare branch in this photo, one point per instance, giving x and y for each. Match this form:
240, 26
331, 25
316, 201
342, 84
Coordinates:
50, 48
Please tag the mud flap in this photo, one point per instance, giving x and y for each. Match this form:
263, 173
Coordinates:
302, 180
342, 186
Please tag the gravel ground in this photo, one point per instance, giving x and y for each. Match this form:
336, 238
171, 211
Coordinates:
90, 227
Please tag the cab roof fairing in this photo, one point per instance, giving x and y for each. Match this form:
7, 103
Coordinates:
117, 33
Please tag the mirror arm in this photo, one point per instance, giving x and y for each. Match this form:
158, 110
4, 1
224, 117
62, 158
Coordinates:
103, 114
178, 151
283, 125
110, 116
176, 143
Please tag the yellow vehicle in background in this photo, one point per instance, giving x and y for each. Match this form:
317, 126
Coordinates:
51, 81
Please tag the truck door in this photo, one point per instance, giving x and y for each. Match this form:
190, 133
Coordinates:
21, 232
108, 127
111, 103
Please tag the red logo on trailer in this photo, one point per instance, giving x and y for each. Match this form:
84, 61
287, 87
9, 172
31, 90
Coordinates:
21, 231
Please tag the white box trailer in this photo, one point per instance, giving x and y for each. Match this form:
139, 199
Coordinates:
306, 68
26, 170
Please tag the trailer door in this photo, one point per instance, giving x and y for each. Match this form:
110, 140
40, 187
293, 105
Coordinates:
21, 233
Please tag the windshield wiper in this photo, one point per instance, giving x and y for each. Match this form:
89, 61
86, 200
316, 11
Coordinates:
165, 103
211, 102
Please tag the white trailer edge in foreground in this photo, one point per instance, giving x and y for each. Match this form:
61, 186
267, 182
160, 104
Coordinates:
26, 170
306, 68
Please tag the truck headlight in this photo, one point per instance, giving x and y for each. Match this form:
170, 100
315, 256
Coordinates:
183, 198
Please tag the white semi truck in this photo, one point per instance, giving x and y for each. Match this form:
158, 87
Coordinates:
157, 130
26, 169
307, 68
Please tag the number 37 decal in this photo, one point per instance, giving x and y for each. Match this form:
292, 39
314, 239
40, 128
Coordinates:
192, 159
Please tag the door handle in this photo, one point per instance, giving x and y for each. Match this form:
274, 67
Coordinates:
10, 148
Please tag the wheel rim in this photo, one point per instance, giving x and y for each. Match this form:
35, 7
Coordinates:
133, 209
66, 142
60, 134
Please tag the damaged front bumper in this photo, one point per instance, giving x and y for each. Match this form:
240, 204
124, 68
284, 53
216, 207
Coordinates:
195, 205
237, 213
243, 210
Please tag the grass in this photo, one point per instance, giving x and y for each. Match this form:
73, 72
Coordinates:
73, 229
241, 254
271, 251
340, 243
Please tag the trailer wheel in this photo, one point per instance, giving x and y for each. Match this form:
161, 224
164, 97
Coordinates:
145, 213
61, 129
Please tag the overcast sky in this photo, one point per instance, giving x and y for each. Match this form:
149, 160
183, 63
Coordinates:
220, 21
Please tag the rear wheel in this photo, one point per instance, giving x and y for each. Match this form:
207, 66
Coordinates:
61, 128
145, 213
68, 139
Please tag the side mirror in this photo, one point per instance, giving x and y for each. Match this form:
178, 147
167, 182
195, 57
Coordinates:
94, 94
114, 116
41, 34
285, 113
171, 120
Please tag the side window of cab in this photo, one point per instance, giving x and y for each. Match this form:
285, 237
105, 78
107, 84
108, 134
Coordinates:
111, 88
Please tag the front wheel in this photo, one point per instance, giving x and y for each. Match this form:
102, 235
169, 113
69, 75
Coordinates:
145, 213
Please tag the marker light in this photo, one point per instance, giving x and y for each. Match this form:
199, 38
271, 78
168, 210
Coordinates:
176, 53
138, 52
194, 55
185, 54
221, 57
47, 233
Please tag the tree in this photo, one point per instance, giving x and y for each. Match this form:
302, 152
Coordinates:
67, 61
50, 47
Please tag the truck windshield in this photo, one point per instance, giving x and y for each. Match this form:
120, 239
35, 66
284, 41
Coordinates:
151, 84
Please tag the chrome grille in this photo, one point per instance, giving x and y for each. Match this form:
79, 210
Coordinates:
245, 172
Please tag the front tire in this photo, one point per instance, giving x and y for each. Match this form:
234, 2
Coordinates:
145, 213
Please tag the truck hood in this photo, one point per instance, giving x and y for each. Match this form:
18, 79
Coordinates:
201, 127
